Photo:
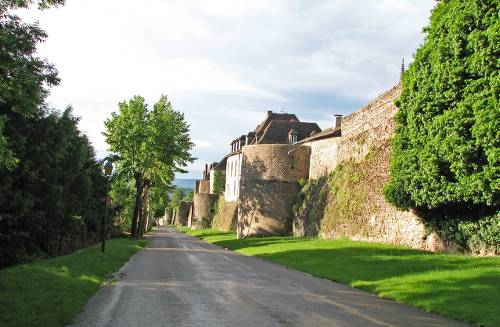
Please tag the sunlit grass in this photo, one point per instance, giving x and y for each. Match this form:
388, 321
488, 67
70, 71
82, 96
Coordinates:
52, 292
458, 286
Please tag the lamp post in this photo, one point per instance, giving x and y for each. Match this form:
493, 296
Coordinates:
108, 170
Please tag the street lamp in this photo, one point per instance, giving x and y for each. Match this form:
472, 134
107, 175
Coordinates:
108, 170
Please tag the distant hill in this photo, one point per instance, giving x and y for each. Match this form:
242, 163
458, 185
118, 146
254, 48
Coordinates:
185, 183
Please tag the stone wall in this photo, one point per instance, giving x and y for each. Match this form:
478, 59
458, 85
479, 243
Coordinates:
182, 214
324, 156
201, 214
268, 188
203, 186
366, 131
370, 126
226, 218
281, 162
265, 207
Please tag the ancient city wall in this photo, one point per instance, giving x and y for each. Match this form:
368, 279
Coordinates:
226, 218
268, 188
370, 126
203, 186
350, 202
324, 156
201, 216
182, 214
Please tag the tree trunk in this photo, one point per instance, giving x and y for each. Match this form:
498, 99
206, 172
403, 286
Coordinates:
139, 185
143, 215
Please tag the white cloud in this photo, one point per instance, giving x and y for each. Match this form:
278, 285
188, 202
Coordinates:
225, 63
202, 143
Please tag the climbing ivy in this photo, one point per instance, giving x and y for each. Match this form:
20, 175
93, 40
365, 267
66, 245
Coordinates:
446, 149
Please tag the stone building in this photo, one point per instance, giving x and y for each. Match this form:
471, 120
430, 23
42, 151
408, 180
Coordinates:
264, 165
262, 170
203, 199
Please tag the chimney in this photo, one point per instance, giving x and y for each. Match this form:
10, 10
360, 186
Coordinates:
269, 112
337, 121
402, 68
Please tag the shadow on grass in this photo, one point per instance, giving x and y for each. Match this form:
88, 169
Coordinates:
51, 292
462, 287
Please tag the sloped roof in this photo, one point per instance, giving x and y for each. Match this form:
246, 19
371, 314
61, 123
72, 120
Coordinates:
278, 130
274, 116
326, 133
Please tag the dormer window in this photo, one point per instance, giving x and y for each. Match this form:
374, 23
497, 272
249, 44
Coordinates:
292, 136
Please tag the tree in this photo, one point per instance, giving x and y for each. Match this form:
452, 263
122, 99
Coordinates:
176, 199
446, 149
24, 77
151, 146
52, 201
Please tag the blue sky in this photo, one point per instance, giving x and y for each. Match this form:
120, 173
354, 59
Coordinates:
225, 63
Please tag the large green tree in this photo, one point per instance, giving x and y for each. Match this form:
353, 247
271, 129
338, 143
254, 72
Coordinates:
24, 77
150, 146
52, 201
446, 150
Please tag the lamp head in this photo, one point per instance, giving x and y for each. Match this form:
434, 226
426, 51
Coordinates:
108, 168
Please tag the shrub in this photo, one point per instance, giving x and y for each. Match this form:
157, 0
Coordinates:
446, 147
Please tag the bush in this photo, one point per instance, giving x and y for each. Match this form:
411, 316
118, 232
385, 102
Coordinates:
446, 149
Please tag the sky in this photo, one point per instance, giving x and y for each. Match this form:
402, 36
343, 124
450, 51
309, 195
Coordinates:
225, 63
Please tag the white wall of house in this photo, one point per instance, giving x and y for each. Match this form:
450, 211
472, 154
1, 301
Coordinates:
233, 174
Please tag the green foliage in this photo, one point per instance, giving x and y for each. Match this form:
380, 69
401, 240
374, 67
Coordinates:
302, 182
446, 150
24, 77
309, 205
52, 202
122, 194
176, 199
219, 182
188, 196
15, 4
150, 146
52, 292
472, 235
457, 286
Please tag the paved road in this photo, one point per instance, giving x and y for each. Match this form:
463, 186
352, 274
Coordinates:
182, 281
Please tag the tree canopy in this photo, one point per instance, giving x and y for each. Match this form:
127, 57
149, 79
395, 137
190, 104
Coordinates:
51, 203
150, 146
24, 77
446, 149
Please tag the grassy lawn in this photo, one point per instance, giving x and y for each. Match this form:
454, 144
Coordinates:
52, 292
461, 287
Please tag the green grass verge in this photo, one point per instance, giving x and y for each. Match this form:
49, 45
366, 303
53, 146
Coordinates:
52, 292
462, 287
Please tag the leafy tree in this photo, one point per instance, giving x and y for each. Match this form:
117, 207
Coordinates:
188, 197
51, 203
151, 146
122, 195
446, 150
176, 198
24, 77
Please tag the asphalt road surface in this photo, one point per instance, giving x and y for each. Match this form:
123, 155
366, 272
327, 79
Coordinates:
182, 281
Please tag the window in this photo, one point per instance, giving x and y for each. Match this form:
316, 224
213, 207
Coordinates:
293, 138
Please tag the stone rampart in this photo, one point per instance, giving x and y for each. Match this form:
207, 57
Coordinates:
369, 129
370, 126
201, 213
203, 186
182, 214
226, 218
281, 162
268, 188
